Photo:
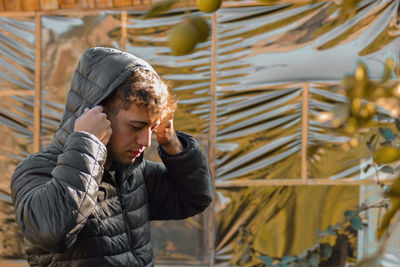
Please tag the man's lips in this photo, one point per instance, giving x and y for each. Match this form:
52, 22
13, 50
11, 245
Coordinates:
136, 153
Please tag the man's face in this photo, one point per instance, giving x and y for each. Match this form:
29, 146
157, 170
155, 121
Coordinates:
131, 134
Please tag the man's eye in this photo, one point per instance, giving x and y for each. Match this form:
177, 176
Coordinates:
136, 128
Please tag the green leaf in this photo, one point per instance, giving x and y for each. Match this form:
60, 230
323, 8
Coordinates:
356, 223
267, 260
328, 231
314, 260
387, 133
387, 169
350, 213
288, 259
326, 250
158, 8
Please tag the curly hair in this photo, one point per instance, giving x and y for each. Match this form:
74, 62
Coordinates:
144, 89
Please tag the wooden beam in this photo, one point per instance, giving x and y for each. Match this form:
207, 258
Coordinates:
38, 84
213, 94
12, 14
120, 3
87, 7
12, 5
141, 2
86, 4
296, 182
51, 7
30, 5
67, 3
213, 131
124, 32
304, 134
104, 4
48, 4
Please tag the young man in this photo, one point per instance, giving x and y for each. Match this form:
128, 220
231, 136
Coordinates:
87, 198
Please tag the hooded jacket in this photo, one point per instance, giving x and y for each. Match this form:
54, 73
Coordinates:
73, 212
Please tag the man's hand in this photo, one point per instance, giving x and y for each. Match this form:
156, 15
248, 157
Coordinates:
95, 121
167, 138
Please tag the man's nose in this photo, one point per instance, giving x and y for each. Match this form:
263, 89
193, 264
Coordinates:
145, 138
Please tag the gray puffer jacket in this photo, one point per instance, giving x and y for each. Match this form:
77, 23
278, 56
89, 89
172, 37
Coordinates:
74, 213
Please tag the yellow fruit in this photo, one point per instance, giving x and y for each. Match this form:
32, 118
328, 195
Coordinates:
387, 70
182, 38
158, 8
209, 6
371, 108
352, 125
356, 105
354, 142
386, 154
361, 77
361, 72
202, 27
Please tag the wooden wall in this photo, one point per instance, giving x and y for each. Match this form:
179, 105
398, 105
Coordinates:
53, 5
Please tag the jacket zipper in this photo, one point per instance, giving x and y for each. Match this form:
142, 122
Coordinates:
128, 233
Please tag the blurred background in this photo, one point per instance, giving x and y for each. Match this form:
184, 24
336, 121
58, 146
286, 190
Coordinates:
250, 94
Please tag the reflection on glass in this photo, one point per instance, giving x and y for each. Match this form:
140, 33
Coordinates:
17, 59
189, 75
277, 220
264, 47
180, 241
64, 40
258, 133
325, 151
186, 241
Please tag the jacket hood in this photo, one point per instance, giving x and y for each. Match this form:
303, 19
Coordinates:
99, 72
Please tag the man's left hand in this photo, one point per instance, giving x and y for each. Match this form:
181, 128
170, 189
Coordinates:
167, 137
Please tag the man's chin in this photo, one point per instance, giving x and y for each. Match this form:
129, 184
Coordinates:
127, 160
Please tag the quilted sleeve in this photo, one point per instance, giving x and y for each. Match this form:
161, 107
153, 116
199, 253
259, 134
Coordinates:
181, 186
53, 196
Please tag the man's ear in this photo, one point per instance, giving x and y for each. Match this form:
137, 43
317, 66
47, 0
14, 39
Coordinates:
110, 109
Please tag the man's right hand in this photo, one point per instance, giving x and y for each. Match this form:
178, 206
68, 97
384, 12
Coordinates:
95, 121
